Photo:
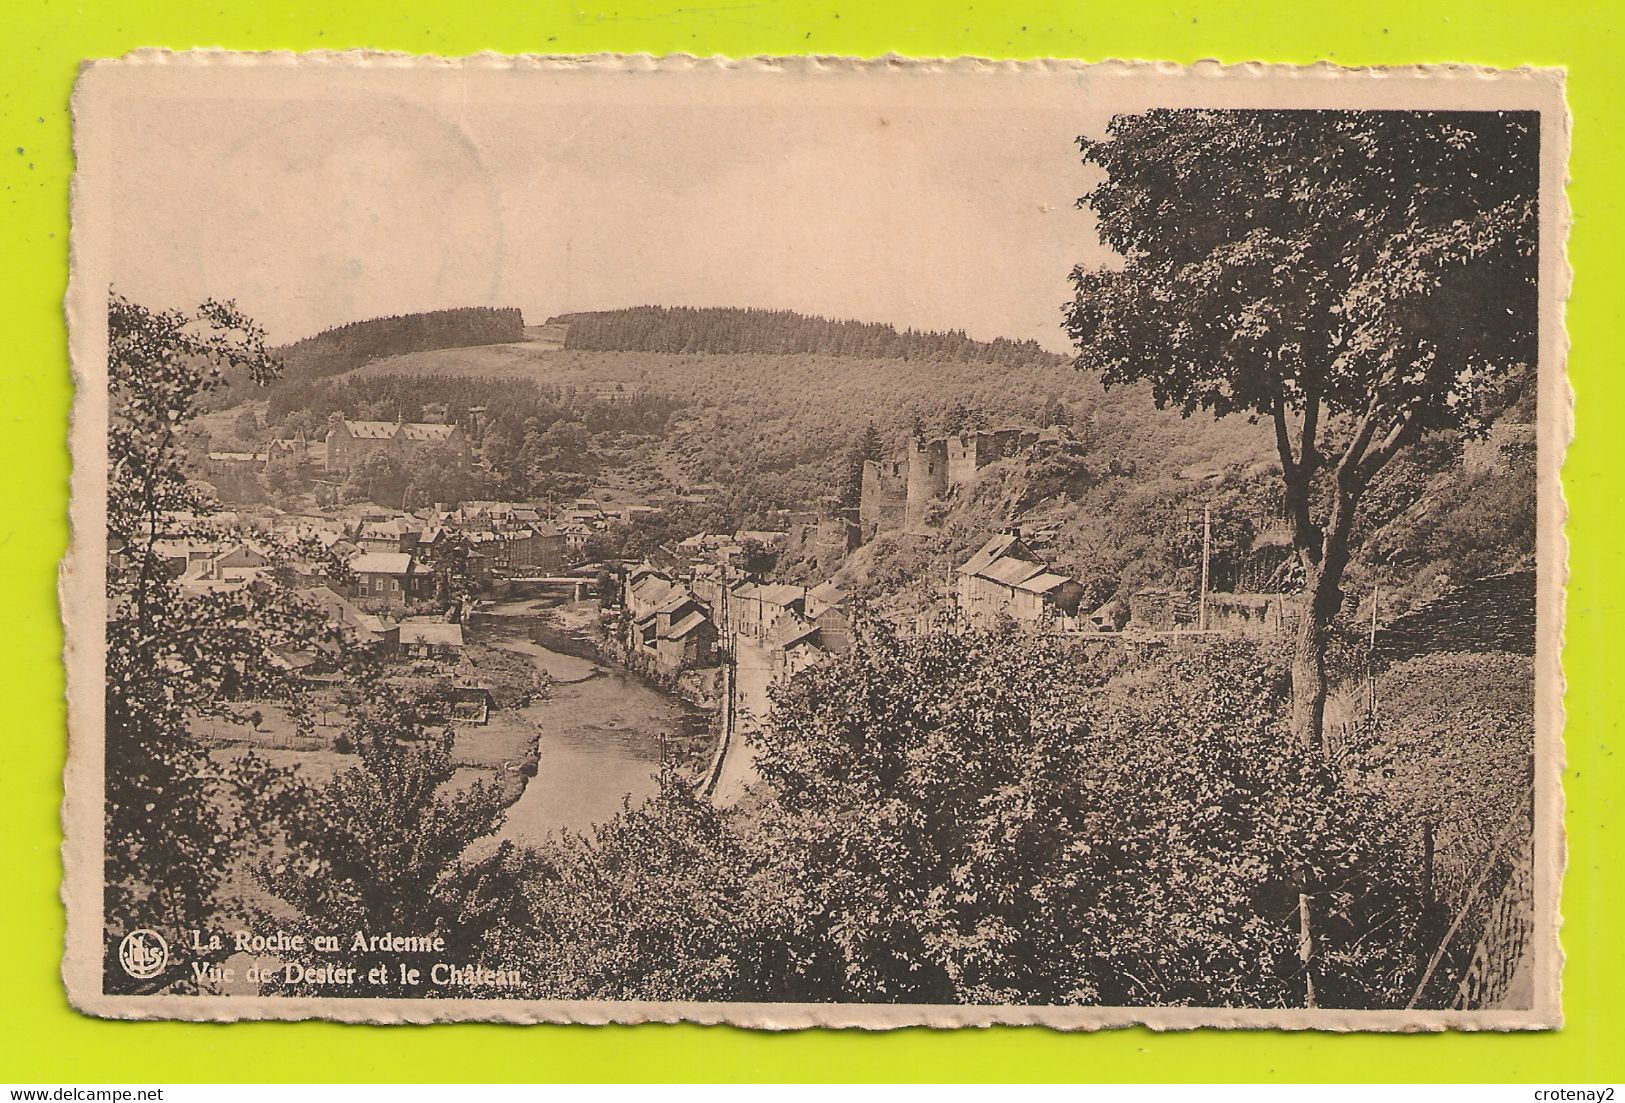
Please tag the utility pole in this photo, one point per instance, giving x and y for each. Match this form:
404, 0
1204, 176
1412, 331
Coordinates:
1371, 657
1207, 547
1306, 949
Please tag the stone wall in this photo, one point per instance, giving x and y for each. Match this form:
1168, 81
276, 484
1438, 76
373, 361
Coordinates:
1488, 614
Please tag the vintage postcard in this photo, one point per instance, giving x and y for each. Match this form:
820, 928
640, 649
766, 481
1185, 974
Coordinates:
800, 542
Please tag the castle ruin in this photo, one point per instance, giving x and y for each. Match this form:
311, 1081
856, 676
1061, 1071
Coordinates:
897, 492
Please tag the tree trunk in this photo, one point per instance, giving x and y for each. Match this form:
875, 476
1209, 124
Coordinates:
1323, 597
1309, 674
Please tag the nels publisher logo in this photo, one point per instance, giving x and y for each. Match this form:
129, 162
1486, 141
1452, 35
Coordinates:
143, 954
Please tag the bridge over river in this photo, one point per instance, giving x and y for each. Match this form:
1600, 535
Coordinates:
580, 588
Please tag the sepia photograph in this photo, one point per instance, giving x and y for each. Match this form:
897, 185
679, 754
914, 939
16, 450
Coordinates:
809, 542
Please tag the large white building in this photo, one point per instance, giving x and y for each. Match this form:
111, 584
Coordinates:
349, 442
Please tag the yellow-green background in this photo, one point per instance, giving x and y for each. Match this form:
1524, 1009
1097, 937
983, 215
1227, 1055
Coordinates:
43, 1041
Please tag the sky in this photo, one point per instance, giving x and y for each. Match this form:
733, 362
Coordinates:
316, 197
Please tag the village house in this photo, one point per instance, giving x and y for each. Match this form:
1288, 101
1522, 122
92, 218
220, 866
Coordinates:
743, 606
389, 577
1005, 579
797, 642
490, 516
398, 534
707, 547
529, 550
306, 573
645, 588
830, 608
799, 647
433, 548
757, 610
669, 624
238, 563
687, 643
226, 568
177, 555
478, 568
575, 536
520, 549
826, 595
293, 450
326, 531
545, 551
491, 547
592, 519
355, 627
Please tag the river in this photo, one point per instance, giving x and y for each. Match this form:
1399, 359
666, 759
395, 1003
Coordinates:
601, 732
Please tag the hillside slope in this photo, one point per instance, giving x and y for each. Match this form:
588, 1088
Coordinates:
1120, 504
783, 411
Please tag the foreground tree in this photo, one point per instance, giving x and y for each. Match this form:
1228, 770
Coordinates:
996, 817
1357, 278
650, 906
386, 845
993, 817
176, 818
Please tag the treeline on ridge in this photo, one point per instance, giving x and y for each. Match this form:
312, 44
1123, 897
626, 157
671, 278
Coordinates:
349, 346
684, 329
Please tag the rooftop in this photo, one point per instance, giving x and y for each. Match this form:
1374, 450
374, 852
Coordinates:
686, 625
995, 548
1043, 583
1010, 571
382, 563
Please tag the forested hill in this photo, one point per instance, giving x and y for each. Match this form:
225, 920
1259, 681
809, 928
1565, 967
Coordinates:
682, 329
350, 346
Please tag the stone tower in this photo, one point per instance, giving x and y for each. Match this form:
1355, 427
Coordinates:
927, 479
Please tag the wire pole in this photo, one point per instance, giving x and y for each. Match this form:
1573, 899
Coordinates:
1306, 949
1207, 545
1371, 656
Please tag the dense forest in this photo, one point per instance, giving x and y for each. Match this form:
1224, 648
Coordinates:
349, 346
686, 329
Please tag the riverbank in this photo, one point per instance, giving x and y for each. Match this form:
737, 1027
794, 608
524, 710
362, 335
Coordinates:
604, 733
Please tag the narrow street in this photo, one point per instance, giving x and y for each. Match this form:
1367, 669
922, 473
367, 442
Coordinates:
755, 673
